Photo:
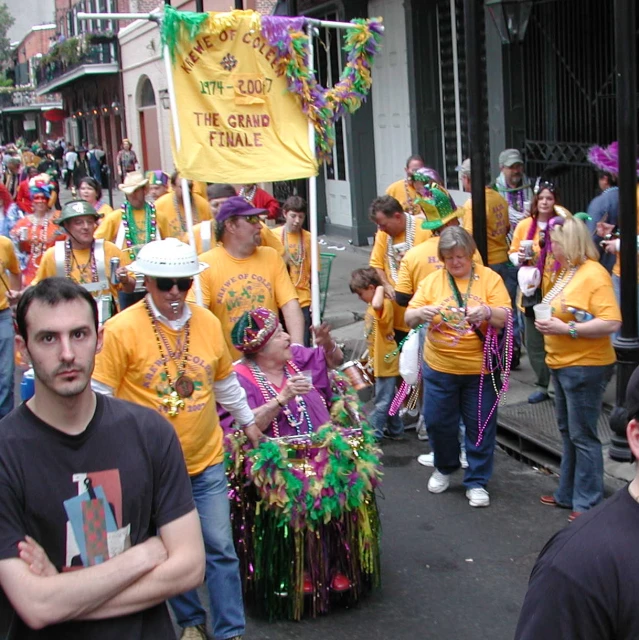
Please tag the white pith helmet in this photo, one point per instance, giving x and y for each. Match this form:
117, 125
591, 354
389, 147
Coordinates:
168, 258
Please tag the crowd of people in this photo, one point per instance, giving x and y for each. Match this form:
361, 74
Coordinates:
264, 486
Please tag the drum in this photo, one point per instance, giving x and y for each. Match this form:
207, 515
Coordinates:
357, 375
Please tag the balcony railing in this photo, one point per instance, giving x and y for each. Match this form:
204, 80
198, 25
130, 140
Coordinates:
26, 97
75, 54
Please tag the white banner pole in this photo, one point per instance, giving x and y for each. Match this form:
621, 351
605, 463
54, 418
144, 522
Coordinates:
312, 200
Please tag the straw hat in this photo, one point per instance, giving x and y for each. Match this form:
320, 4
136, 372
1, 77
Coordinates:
132, 182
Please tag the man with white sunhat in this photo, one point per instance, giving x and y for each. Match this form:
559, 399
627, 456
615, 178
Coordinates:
169, 355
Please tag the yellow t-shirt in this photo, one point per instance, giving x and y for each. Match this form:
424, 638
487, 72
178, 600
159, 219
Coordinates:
81, 266
589, 289
8, 262
300, 273
497, 225
521, 233
617, 268
105, 210
380, 337
173, 224
399, 191
420, 262
380, 260
446, 349
268, 239
131, 364
110, 226
231, 286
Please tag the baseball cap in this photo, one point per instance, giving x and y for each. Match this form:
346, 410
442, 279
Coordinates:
509, 157
632, 396
237, 206
464, 167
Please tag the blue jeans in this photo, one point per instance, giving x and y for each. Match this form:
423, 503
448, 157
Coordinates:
385, 389
578, 398
210, 492
7, 363
447, 398
508, 273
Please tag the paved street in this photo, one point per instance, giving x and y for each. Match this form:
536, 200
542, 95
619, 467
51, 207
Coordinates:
448, 571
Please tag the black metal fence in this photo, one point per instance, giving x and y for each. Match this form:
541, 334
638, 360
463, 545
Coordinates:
569, 89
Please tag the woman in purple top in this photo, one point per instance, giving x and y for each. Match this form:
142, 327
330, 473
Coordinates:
287, 386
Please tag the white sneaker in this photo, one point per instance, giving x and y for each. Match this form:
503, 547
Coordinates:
477, 497
463, 460
438, 482
426, 459
422, 433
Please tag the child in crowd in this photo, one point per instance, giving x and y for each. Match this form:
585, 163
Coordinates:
365, 283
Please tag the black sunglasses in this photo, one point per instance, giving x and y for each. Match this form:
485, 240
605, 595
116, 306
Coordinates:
166, 284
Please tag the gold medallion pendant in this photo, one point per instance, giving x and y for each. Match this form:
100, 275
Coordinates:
174, 402
184, 386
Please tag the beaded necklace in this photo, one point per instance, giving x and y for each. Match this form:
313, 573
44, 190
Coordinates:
297, 261
564, 277
183, 386
410, 204
248, 195
131, 231
393, 263
496, 358
269, 392
70, 258
38, 241
181, 219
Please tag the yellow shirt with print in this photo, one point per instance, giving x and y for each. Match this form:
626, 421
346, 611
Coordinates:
300, 273
420, 262
231, 286
172, 224
110, 226
379, 260
81, 266
589, 289
9, 262
404, 194
130, 363
268, 239
380, 338
521, 233
447, 350
617, 267
497, 225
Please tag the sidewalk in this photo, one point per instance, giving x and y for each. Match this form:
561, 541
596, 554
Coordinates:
528, 431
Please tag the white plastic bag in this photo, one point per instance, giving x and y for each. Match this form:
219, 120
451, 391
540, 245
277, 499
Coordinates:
410, 358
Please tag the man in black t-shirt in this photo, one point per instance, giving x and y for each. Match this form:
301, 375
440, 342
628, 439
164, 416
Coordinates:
585, 582
97, 522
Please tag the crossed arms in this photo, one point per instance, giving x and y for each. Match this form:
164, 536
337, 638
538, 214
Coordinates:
141, 577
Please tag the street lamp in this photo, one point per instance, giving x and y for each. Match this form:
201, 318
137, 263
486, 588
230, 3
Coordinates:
164, 99
511, 18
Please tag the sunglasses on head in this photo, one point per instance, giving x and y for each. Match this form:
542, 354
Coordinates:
166, 284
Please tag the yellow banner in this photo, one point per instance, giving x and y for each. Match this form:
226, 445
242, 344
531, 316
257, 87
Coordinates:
238, 122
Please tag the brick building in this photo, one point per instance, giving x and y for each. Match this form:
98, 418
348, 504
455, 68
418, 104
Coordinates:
22, 113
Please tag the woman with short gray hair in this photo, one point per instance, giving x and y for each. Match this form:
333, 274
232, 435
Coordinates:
466, 306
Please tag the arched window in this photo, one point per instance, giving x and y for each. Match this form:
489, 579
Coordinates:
147, 95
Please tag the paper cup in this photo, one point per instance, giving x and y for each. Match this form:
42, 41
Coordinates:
542, 311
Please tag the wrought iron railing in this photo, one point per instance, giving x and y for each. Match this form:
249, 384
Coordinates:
52, 69
26, 97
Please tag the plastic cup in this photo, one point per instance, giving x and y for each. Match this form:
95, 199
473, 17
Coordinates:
308, 374
542, 311
527, 206
527, 247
